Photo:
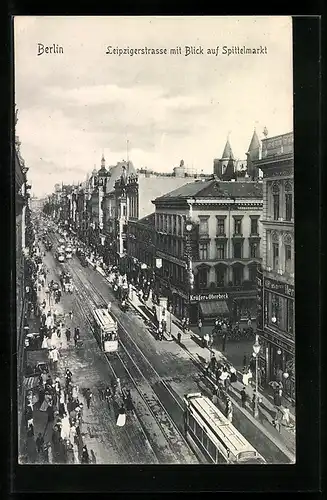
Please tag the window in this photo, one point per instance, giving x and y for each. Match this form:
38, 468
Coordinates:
254, 250
275, 312
220, 275
220, 250
203, 251
290, 315
203, 278
165, 223
204, 227
238, 250
220, 226
237, 275
252, 273
289, 206
288, 258
237, 226
173, 229
275, 248
254, 225
276, 206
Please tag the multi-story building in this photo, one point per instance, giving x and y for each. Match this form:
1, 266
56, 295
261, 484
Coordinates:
208, 247
23, 229
140, 189
275, 321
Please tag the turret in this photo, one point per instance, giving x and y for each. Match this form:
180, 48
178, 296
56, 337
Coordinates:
220, 165
253, 154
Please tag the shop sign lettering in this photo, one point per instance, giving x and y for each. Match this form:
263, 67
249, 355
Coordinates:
278, 287
209, 296
275, 340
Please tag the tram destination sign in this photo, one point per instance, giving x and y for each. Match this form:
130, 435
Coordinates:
279, 287
208, 296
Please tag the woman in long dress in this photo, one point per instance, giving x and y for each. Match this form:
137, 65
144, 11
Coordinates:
121, 420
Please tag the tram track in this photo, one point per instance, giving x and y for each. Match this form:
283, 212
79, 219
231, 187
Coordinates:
176, 445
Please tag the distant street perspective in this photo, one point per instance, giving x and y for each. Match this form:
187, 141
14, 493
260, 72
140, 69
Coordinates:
155, 305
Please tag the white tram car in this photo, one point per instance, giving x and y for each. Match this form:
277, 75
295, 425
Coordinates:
69, 252
106, 329
213, 436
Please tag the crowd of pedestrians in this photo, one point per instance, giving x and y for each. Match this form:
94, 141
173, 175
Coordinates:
60, 402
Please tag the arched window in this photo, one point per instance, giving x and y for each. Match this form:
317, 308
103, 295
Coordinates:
238, 274
275, 189
221, 275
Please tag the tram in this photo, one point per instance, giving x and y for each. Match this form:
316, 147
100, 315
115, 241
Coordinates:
69, 252
60, 255
213, 436
106, 329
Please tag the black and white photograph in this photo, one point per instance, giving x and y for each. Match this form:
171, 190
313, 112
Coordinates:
154, 207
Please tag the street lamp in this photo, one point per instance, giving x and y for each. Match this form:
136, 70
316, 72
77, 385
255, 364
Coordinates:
256, 350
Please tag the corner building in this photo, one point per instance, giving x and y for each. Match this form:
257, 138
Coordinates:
275, 282
208, 246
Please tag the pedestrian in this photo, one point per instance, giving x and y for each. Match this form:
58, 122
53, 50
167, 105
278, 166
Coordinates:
244, 361
107, 395
121, 420
55, 357
200, 326
88, 397
70, 452
179, 336
68, 334
113, 386
118, 386
50, 357
233, 376
229, 410
244, 397
278, 397
70, 315
76, 336
224, 341
215, 396
85, 456
213, 362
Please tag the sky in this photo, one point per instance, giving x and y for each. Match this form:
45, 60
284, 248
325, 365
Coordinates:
77, 105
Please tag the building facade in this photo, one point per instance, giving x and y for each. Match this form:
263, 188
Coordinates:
276, 315
22, 210
208, 248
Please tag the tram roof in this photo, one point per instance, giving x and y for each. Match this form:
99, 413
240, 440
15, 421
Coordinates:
104, 318
219, 425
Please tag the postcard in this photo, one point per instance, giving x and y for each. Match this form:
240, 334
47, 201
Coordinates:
155, 240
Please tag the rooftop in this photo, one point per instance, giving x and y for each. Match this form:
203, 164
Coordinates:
216, 189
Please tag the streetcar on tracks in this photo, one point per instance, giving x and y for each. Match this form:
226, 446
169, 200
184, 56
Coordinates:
213, 436
60, 255
106, 329
68, 252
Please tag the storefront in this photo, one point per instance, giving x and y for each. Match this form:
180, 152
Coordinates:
208, 306
243, 304
275, 325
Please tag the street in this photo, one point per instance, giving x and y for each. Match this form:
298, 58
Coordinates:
151, 436
157, 373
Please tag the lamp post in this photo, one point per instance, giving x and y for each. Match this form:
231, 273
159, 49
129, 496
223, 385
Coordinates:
256, 350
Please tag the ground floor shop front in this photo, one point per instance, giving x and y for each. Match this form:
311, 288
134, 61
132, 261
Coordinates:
277, 360
208, 306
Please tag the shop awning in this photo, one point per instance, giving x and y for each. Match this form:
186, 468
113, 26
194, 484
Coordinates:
214, 308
